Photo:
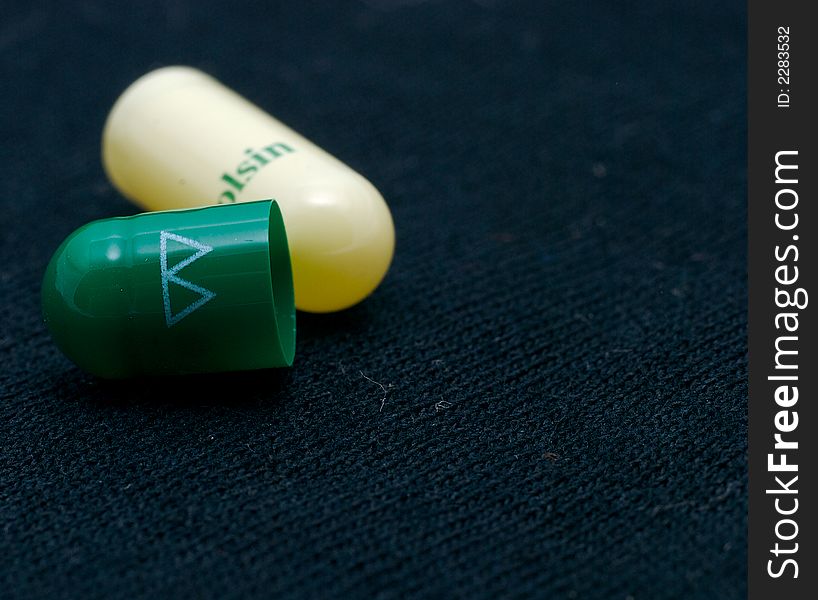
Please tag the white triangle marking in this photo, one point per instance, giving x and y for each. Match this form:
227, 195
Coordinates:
170, 275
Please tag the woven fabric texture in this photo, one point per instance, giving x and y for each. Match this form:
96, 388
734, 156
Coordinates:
545, 398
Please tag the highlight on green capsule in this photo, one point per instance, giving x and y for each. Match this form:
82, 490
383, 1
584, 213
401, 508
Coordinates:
182, 291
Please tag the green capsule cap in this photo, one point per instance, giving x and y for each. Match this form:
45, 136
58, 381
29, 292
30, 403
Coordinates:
181, 291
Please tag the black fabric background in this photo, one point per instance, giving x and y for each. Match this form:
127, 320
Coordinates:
561, 336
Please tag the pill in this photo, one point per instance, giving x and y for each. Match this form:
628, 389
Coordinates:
177, 138
184, 291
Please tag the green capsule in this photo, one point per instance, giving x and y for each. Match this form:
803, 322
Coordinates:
182, 291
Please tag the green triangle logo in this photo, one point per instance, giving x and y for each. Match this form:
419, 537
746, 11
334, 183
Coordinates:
171, 275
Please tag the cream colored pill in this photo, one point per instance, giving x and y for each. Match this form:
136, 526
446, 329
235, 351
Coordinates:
177, 138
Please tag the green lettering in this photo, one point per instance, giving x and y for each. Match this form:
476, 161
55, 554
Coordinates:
259, 158
227, 178
245, 168
274, 149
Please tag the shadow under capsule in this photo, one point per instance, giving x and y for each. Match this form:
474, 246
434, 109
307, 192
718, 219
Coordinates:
231, 389
235, 389
317, 326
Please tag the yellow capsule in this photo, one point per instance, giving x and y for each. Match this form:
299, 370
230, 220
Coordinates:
177, 138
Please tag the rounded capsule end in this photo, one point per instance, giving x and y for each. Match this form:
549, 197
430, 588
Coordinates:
342, 240
84, 297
